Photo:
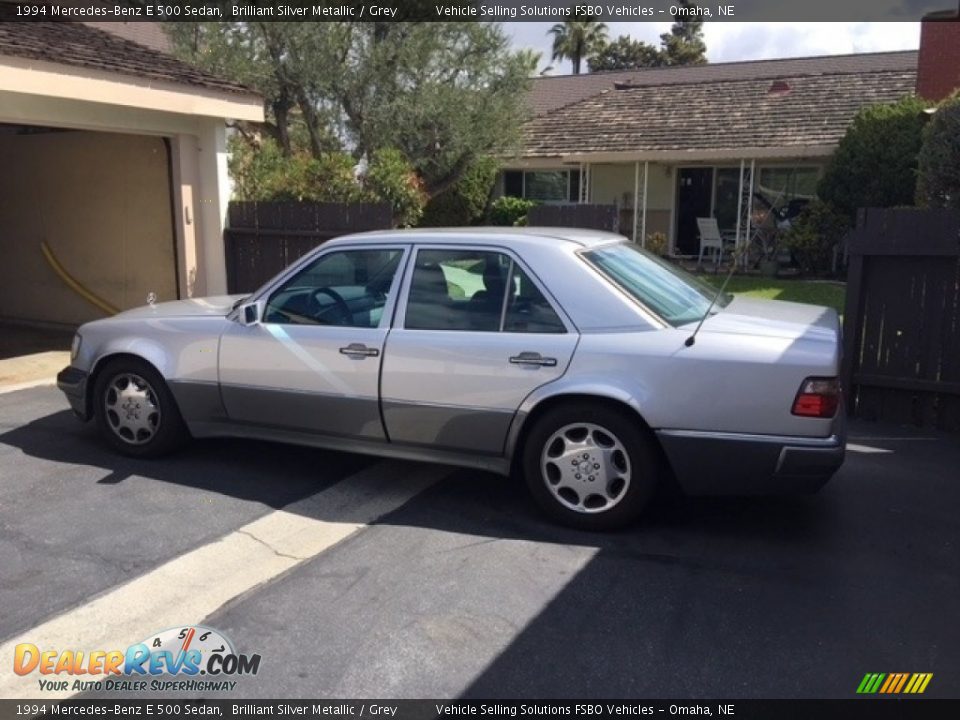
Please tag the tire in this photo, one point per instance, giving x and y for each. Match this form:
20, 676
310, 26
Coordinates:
590, 466
135, 411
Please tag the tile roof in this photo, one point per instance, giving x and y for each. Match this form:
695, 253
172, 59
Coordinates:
815, 110
80, 45
554, 91
150, 34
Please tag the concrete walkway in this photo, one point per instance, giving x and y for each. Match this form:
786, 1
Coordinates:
31, 356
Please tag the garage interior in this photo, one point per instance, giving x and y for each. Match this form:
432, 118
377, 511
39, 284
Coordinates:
102, 203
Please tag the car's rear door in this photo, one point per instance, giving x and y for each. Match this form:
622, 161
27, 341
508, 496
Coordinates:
475, 333
312, 363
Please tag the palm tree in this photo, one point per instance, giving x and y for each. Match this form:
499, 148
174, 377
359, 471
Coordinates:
577, 40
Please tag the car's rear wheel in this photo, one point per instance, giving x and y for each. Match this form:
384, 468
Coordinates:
590, 466
135, 411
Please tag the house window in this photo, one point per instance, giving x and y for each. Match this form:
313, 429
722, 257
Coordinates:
548, 186
786, 189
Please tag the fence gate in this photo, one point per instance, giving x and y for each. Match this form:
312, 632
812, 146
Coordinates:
595, 217
902, 317
262, 238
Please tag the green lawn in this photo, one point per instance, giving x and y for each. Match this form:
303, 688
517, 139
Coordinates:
816, 292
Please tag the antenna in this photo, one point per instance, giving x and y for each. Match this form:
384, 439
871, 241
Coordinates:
733, 266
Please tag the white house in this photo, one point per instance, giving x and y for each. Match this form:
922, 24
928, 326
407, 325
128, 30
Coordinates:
669, 145
113, 158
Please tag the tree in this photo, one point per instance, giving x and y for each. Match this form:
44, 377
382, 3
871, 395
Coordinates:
442, 93
625, 53
939, 161
577, 40
684, 44
875, 164
465, 203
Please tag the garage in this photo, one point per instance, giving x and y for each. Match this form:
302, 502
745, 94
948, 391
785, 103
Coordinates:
86, 223
113, 174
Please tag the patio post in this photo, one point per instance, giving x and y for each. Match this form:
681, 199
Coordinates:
643, 220
580, 186
747, 238
636, 196
736, 242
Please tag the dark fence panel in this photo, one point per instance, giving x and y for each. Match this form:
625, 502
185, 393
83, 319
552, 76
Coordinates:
595, 217
902, 317
262, 238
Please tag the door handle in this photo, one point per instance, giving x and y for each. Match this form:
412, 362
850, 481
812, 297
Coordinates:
533, 358
359, 350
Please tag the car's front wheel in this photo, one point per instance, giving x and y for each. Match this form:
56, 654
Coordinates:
590, 466
135, 411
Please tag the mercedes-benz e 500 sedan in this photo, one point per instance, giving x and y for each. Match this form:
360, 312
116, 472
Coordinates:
570, 358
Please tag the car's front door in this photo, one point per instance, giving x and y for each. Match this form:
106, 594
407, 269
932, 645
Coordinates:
474, 336
312, 363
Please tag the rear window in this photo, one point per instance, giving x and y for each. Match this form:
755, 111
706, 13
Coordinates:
668, 291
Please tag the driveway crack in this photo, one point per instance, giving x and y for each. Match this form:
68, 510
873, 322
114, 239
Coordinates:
270, 547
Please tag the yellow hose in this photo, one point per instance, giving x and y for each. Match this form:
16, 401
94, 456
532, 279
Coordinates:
73, 284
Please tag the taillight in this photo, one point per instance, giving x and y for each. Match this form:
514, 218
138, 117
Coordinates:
818, 397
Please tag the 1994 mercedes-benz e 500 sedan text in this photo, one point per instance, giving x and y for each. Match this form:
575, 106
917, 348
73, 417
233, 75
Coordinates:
563, 356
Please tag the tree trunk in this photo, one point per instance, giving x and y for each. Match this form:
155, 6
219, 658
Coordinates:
310, 120
281, 115
576, 63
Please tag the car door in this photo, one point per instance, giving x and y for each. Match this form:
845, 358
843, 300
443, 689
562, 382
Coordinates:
312, 362
474, 335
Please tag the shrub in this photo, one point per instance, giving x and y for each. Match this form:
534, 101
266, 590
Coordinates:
391, 178
510, 211
265, 173
465, 203
939, 161
875, 164
813, 235
657, 243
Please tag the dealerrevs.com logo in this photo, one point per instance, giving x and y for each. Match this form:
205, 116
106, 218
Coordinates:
188, 658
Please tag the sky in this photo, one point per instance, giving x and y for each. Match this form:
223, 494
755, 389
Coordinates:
728, 41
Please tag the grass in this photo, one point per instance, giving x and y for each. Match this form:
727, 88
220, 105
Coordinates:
815, 292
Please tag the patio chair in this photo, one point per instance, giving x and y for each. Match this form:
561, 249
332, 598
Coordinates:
710, 237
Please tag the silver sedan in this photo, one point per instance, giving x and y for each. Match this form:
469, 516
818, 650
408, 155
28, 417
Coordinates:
570, 358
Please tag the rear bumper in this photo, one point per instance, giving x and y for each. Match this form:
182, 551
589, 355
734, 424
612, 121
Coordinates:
73, 383
708, 463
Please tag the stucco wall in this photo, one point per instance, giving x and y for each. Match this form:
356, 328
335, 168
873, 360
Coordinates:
610, 182
102, 203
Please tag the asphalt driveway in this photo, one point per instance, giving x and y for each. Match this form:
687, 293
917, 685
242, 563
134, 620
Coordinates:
461, 590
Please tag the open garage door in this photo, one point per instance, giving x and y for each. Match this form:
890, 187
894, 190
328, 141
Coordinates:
102, 204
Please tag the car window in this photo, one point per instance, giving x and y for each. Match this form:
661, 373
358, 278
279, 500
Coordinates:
528, 311
345, 288
457, 290
466, 290
670, 292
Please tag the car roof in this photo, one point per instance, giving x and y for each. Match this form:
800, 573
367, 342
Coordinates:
506, 235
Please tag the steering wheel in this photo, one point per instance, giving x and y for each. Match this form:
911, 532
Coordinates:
341, 305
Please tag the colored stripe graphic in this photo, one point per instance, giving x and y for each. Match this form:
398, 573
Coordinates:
903, 680
894, 683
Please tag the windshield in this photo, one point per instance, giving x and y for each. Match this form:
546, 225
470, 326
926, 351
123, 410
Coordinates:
670, 292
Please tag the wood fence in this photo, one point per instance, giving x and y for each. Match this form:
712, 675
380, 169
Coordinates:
595, 217
902, 318
262, 238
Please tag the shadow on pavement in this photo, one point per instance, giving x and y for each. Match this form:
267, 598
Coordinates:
769, 597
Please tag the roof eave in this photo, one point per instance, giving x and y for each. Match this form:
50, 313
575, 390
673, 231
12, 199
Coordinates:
69, 82
679, 156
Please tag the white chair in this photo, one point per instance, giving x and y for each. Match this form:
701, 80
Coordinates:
710, 237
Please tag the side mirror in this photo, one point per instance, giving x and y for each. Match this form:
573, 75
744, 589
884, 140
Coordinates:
249, 314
